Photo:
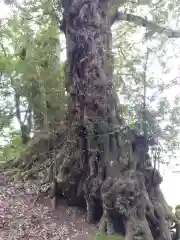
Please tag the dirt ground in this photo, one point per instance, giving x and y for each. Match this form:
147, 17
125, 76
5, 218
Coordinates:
21, 219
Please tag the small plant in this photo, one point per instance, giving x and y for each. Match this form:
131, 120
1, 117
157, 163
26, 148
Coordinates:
103, 236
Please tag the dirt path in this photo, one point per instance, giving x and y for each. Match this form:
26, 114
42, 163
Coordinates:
21, 219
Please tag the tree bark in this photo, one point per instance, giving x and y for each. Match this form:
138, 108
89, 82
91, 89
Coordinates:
106, 167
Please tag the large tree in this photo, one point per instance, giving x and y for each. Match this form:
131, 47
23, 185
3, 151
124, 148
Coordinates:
107, 167
95, 159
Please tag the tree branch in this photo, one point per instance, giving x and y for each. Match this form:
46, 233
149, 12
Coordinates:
119, 16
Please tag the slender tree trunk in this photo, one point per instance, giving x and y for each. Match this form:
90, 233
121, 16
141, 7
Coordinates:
26, 123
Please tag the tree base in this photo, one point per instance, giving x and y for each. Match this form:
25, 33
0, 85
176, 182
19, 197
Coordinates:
130, 204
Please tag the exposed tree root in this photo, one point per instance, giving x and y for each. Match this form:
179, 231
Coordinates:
38, 163
130, 203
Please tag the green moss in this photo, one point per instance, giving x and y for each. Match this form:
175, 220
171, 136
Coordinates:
103, 236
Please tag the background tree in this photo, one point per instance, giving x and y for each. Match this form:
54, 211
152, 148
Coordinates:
29, 61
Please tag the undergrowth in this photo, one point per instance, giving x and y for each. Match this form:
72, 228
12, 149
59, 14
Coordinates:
103, 236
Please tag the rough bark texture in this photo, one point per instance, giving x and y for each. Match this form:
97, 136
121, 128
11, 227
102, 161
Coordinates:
100, 162
109, 168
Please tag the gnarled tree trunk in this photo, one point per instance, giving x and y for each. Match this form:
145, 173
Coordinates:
104, 166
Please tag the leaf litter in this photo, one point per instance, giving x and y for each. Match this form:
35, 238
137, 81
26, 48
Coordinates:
21, 219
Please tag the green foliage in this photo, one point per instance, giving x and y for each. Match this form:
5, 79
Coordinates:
132, 124
30, 66
143, 73
103, 236
12, 150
